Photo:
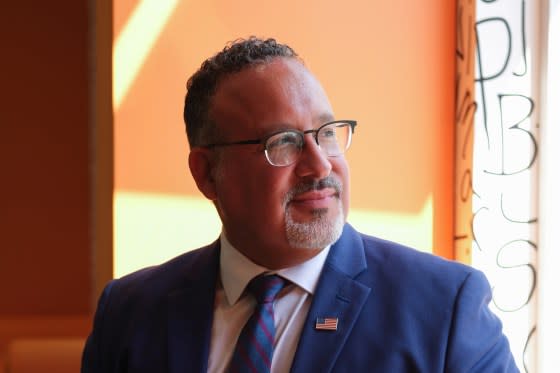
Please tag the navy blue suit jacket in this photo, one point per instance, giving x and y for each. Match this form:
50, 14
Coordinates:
398, 310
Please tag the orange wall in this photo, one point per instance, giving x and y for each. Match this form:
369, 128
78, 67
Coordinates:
396, 80
45, 266
388, 65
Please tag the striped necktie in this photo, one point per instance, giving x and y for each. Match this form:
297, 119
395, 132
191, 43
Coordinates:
253, 352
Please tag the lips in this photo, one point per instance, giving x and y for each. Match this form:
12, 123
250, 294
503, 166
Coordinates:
315, 198
314, 194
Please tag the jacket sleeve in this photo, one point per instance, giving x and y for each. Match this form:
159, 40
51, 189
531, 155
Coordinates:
93, 358
476, 340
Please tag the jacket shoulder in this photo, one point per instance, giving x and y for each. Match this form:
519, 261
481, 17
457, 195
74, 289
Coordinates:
404, 260
146, 291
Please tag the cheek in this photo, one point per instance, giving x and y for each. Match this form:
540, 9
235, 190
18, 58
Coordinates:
268, 194
253, 190
340, 169
272, 189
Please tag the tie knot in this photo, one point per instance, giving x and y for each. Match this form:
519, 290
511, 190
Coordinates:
266, 287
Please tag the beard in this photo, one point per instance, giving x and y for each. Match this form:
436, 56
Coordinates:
323, 229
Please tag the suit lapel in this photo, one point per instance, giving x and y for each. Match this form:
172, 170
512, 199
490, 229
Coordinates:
190, 311
337, 295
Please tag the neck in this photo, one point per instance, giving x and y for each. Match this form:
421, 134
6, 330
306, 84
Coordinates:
279, 259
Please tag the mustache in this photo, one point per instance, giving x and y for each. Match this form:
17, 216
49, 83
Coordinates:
306, 186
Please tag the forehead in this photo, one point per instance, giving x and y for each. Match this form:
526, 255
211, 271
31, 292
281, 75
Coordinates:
268, 96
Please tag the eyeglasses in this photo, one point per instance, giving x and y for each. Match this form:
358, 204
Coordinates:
284, 147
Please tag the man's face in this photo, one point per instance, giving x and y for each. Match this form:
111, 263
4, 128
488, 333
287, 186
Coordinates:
276, 216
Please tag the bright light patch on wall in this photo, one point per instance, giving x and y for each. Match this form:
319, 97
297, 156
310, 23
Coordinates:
132, 45
506, 167
414, 230
152, 228
549, 239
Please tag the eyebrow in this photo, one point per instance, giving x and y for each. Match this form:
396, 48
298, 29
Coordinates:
325, 117
320, 119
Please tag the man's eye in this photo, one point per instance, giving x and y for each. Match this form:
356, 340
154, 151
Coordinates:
328, 132
282, 140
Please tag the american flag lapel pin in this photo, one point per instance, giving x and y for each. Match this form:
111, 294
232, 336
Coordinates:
326, 323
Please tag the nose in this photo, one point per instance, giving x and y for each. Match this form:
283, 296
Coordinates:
313, 162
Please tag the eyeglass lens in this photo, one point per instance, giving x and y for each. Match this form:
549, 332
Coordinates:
284, 148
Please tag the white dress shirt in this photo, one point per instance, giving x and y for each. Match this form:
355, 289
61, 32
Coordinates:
233, 306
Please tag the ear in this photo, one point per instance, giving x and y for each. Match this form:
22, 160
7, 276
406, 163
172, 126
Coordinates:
201, 165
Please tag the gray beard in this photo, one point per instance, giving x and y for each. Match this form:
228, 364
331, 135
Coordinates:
317, 233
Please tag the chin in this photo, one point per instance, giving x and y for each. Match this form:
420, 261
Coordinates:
316, 233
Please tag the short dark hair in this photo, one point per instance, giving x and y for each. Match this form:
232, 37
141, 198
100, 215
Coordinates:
201, 86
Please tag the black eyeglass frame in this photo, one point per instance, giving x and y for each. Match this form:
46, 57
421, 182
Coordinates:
263, 141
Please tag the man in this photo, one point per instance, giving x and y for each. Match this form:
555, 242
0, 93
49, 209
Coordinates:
267, 150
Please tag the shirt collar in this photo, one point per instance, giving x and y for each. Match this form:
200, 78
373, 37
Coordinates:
236, 270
